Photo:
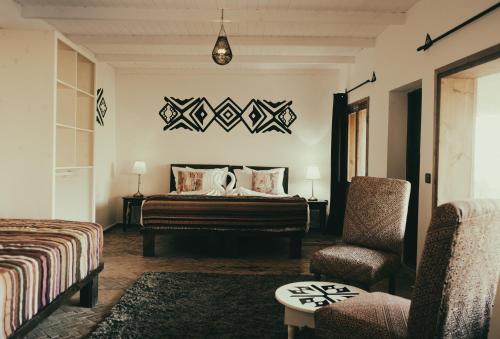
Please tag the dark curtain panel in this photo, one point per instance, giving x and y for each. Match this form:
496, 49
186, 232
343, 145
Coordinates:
338, 180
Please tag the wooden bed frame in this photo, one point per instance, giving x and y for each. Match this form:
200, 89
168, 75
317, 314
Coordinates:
150, 232
88, 288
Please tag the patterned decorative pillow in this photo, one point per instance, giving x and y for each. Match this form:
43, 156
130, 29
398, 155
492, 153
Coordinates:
190, 181
279, 170
265, 182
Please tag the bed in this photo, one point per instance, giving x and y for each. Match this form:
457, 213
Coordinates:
234, 215
43, 263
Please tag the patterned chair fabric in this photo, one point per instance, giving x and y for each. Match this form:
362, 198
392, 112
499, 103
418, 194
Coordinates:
374, 225
354, 263
455, 286
458, 274
376, 211
371, 315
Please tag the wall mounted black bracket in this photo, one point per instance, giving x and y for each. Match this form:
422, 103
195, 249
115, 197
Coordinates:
373, 79
429, 41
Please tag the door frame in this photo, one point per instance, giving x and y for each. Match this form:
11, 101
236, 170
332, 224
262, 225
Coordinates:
481, 57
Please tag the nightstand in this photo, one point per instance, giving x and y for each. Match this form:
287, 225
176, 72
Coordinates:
318, 208
128, 203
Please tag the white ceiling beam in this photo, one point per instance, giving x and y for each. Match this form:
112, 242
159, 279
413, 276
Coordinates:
242, 59
196, 40
196, 15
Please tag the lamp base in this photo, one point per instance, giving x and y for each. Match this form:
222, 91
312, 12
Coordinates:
313, 199
138, 195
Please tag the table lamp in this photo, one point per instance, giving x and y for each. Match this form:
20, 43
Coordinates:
139, 169
312, 174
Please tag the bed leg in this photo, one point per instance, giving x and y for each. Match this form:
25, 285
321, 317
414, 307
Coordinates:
148, 244
89, 293
295, 247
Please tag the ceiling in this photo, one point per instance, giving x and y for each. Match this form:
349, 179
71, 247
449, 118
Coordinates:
181, 33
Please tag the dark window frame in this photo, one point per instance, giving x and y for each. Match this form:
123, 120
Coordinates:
354, 108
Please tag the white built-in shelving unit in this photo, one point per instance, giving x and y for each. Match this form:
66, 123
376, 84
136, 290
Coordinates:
74, 134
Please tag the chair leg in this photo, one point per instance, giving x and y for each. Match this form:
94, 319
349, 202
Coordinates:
392, 284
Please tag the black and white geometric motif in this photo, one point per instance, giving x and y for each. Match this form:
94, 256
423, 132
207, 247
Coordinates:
321, 295
228, 114
101, 107
202, 114
258, 116
275, 111
253, 116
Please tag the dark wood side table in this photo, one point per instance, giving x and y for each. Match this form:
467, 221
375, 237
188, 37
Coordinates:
319, 207
128, 203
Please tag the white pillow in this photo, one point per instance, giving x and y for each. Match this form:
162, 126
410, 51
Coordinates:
212, 179
279, 170
243, 178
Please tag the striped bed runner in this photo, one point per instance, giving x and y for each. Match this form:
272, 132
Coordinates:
214, 212
39, 260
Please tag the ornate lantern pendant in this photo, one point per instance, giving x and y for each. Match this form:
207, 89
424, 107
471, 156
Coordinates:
221, 53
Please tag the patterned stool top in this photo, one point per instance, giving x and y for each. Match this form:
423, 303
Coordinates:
307, 296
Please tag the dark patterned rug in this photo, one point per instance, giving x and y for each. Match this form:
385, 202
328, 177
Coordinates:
199, 305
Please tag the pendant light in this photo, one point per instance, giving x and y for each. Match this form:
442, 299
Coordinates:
222, 54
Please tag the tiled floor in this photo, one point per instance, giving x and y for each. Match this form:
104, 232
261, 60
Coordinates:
124, 263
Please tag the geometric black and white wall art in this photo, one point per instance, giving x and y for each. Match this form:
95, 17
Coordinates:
259, 116
101, 107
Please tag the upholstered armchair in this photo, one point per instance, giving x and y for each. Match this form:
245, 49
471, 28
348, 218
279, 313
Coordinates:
374, 227
454, 290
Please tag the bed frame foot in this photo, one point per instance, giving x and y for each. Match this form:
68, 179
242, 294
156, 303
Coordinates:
295, 247
148, 244
89, 293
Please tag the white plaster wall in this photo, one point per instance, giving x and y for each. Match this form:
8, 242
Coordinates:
27, 85
397, 63
140, 134
10, 18
105, 151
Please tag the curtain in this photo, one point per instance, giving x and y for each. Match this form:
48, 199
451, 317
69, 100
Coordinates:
338, 179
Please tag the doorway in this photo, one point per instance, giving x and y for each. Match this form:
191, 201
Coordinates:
467, 120
403, 158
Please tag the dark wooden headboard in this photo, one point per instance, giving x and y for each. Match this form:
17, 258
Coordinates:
231, 169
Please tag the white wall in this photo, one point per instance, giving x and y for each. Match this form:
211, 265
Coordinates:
10, 18
397, 63
105, 151
27, 86
140, 134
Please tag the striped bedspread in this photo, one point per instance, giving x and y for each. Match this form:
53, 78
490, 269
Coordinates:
220, 212
40, 259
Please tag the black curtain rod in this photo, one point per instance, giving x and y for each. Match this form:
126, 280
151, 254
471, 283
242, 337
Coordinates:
429, 41
373, 79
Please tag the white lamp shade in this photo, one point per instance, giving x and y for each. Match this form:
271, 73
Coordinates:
139, 167
312, 173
